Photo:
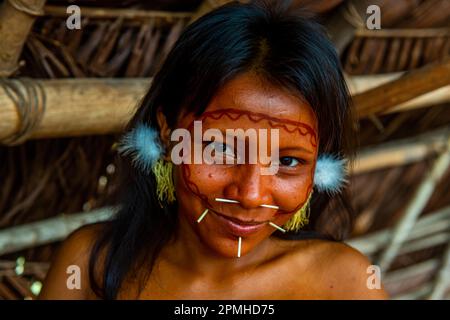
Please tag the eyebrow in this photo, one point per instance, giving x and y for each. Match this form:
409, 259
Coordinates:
297, 148
285, 149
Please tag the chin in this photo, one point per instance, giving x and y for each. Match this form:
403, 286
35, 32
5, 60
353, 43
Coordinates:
227, 247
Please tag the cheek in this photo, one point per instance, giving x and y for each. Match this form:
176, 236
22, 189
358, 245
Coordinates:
291, 192
203, 180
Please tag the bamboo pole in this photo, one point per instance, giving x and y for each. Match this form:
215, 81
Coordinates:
412, 271
411, 282
400, 152
436, 222
404, 33
113, 13
442, 281
415, 207
435, 97
8, 267
344, 22
411, 85
361, 84
416, 294
76, 107
430, 241
49, 230
16, 20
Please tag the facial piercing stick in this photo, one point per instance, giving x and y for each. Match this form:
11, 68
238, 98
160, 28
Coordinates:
226, 200
277, 227
271, 223
239, 247
270, 206
202, 216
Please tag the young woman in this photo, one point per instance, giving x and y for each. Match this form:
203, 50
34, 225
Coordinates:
224, 227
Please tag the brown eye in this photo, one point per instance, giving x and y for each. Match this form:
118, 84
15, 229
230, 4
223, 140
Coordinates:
290, 161
222, 148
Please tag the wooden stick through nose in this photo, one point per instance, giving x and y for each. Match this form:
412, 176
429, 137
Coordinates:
226, 200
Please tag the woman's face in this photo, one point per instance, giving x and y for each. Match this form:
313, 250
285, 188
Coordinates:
250, 104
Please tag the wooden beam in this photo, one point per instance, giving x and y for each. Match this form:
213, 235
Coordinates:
76, 107
49, 230
409, 86
360, 84
414, 208
114, 13
341, 28
432, 223
16, 20
400, 152
404, 33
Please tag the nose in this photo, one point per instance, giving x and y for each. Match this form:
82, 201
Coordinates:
249, 187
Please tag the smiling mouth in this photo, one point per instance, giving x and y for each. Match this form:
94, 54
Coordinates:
241, 222
238, 227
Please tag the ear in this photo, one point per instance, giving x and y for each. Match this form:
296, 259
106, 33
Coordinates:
164, 131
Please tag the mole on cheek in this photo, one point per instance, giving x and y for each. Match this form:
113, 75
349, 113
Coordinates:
210, 175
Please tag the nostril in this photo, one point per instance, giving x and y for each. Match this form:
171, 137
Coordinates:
249, 188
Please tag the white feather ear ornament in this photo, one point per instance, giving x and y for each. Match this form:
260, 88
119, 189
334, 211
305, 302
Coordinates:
144, 145
330, 173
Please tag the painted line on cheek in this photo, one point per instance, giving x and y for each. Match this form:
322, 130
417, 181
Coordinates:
277, 227
239, 247
202, 216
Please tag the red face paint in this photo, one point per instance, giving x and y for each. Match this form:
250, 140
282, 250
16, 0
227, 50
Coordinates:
246, 104
219, 119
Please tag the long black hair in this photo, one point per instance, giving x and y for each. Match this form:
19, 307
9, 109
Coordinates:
287, 48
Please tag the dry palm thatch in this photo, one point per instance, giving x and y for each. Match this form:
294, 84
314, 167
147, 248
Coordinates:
413, 34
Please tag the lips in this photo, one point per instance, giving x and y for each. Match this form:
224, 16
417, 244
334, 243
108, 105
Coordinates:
239, 227
240, 221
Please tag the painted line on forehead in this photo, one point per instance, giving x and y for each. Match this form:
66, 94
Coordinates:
278, 123
254, 116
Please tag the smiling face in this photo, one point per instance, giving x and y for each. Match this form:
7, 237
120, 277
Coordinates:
247, 102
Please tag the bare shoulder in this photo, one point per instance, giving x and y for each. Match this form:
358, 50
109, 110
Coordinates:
68, 276
336, 270
347, 273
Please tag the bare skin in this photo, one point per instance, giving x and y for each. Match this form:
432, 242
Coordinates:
200, 262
